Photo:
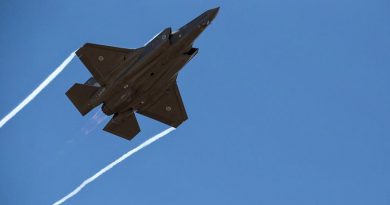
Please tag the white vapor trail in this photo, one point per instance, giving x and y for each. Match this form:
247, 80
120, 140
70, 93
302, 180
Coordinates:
37, 90
117, 161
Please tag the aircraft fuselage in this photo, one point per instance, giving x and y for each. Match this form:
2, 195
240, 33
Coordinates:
147, 74
142, 80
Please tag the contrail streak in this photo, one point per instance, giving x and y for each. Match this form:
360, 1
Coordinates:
110, 166
37, 90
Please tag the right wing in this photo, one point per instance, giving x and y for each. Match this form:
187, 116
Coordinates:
169, 109
102, 61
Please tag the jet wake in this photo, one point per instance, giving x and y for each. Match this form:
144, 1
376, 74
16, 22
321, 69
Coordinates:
37, 90
96, 120
110, 166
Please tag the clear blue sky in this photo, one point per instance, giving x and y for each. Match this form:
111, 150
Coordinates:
288, 103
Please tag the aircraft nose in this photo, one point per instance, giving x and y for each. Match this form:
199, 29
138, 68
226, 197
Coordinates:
213, 13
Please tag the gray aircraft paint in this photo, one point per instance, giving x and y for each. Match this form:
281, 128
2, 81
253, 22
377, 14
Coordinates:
141, 80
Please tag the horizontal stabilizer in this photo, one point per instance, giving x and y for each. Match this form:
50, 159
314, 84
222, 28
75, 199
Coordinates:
124, 125
92, 81
80, 96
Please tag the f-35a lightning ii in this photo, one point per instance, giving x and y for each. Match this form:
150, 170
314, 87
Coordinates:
141, 80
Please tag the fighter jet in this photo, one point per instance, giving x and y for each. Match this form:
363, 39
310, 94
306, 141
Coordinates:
142, 80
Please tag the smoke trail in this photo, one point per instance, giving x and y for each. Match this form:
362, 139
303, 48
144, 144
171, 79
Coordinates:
30, 97
95, 120
110, 166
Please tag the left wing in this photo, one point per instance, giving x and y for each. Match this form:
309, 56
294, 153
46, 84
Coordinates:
102, 61
169, 109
